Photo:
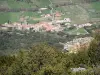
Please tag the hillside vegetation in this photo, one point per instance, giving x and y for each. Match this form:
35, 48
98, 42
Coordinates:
42, 59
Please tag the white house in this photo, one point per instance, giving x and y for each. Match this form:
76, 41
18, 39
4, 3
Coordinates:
67, 19
63, 21
43, 8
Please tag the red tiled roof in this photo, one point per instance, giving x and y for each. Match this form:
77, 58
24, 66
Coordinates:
57, 14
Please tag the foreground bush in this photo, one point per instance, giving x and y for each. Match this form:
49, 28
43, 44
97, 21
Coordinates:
40, 60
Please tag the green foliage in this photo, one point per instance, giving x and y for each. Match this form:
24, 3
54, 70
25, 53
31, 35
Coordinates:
94, 50
5, 62
12, 40
81, 58
42, 59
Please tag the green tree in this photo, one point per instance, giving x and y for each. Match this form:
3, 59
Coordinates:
41, 59
94, 50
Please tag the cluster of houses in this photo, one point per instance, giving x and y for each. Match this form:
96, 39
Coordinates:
44, 26
55, 15
82, 25
66, 20
52, 26
39, 27
71, 46
75, 45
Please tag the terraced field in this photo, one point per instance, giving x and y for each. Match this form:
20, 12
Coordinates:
76, 10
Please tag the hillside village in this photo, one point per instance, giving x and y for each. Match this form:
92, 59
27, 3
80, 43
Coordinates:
49, 37
53, 26
69, 19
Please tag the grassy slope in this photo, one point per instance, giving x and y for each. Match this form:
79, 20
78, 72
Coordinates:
78, 14
4, 17
75, 31
96, 6
13, 17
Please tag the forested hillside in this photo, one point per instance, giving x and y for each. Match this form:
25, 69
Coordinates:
49, 37
43, 59
28, 12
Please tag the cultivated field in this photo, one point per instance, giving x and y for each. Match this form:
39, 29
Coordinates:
77, 11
